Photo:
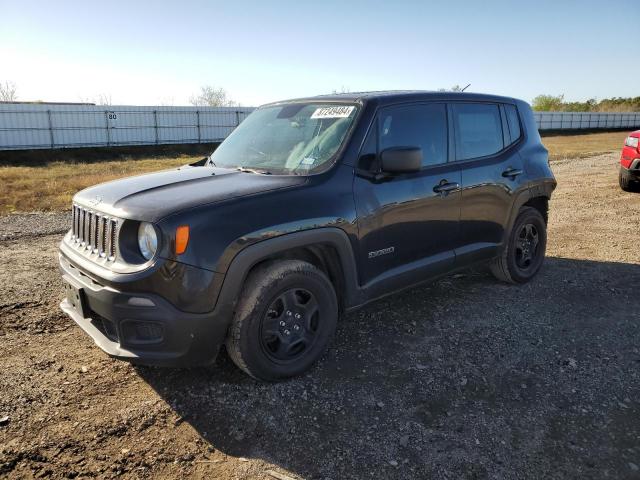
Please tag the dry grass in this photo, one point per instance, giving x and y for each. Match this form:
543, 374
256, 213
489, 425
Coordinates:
585, 145
49, 187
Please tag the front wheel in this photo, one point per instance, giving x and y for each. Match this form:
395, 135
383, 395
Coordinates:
626, 183
284, 321
525, 250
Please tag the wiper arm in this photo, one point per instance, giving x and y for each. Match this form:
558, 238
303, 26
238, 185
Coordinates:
252, 170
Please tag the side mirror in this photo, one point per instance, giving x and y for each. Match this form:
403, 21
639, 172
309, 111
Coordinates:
401, 159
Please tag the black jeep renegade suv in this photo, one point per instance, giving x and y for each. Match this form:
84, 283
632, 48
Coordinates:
310, 208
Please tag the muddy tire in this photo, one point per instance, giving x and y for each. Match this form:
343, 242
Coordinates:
284, 321
524, 254
626, 183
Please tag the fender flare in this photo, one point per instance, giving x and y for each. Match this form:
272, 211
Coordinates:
250, 256
523, 197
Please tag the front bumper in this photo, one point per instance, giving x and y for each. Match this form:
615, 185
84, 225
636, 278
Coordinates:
140, 327
633, 172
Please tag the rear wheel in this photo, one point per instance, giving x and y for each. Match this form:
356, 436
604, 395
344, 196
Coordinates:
626, 183
525, 250
284, 321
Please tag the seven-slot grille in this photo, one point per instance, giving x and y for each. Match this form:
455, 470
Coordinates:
95, 232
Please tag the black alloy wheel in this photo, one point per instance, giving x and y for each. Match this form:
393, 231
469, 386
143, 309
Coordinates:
284, 320
290, 325
527, 246
525, 249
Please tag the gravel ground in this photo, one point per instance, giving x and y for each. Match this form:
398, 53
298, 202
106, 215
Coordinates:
33, 224
463, 378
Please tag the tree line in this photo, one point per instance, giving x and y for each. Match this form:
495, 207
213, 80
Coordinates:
557, 103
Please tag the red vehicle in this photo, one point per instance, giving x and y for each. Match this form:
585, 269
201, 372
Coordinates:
630, 163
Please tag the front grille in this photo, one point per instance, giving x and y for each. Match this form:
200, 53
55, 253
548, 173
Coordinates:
95, 232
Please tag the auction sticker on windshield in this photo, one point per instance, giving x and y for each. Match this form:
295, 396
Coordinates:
333, 112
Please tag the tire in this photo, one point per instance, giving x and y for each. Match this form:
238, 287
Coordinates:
284, 320
522, 257
626, 183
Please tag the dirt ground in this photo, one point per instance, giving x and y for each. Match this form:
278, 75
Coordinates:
464, 378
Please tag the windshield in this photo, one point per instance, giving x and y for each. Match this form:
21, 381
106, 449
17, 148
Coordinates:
297, 138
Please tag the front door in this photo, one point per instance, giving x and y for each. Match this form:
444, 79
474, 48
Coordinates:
408, 223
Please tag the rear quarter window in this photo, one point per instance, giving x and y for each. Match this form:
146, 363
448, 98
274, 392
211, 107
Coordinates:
513, 121
478, 130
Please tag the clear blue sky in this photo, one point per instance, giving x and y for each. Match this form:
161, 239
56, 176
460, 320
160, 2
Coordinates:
161, 52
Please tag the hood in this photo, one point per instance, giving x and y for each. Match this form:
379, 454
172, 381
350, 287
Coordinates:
153, 196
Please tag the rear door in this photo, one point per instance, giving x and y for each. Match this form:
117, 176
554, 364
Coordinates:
408, 224
492, 174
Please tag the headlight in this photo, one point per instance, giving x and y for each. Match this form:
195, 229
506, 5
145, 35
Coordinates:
147, 240
631, 142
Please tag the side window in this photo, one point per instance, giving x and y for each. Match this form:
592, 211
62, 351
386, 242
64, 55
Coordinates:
422, 125
513, 121
478, 130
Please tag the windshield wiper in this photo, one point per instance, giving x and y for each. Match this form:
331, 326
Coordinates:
210, 161
253, 170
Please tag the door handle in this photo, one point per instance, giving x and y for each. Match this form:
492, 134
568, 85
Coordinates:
444, 187
511, 173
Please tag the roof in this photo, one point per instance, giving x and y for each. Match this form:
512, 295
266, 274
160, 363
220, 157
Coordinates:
394, 96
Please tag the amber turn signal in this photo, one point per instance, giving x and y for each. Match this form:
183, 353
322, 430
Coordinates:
182, 239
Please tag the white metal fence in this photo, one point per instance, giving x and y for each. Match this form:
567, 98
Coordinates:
30, 126
586, 120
